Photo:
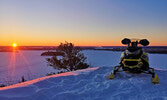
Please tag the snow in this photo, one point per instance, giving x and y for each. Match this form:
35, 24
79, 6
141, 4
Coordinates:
89, 84
102, 58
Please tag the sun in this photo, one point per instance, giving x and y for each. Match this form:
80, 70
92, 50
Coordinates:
14, 45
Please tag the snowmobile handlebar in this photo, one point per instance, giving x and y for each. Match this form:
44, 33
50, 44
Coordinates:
127, 41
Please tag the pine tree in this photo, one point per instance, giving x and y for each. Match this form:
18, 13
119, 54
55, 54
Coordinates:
72, 59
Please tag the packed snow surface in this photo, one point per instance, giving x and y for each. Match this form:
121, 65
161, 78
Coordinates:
89, 84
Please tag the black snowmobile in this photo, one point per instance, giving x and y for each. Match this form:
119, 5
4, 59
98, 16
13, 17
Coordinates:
135, 60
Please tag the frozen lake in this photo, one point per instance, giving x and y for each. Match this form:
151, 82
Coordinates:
31, 65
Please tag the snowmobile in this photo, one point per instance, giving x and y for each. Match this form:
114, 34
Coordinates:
134, 59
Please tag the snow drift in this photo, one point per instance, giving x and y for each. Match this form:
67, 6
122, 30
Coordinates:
89, 84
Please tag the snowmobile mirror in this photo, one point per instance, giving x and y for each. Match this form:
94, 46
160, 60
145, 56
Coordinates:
144, 42
126, 41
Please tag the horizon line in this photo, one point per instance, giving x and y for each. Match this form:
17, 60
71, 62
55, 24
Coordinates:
78, 46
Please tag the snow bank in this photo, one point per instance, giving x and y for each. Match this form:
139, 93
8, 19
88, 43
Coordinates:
89, 84
44, 78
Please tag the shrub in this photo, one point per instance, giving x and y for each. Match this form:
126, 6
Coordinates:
2, 85
72, 59
23, 79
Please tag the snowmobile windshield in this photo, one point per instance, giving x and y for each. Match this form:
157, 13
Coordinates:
134, 43
134, 40
133, 46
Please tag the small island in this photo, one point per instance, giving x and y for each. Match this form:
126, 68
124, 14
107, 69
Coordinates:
51, 53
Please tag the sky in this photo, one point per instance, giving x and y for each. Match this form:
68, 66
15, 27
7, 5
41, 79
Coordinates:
82, 22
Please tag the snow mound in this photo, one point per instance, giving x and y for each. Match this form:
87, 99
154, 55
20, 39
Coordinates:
89, 84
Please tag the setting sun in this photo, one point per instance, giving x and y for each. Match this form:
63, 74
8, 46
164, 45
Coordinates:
14, 45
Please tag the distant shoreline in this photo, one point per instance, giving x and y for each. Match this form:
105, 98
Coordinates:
149, 49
